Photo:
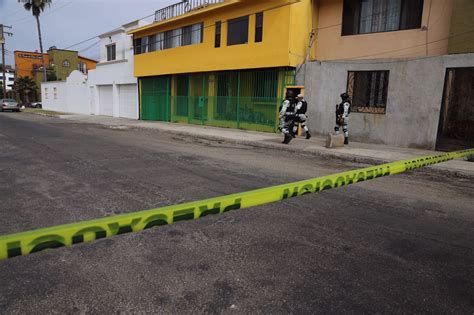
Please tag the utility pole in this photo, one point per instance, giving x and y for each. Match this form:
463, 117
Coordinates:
2, 41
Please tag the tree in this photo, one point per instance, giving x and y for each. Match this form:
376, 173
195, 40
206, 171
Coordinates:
36, 7
24, 86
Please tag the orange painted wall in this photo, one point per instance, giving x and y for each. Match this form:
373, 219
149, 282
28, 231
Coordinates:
24, 63
331, 45
91, 64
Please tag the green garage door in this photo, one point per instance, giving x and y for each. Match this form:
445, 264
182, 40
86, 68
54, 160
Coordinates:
155, 98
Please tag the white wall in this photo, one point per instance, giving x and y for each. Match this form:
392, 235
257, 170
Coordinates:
71, 96
54, 95
10, 79
117, 74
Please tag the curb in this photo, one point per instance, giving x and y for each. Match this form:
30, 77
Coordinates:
344, 157
321, 154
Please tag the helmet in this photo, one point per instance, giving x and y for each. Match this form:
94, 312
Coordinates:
290, 94
300, 96
344, 96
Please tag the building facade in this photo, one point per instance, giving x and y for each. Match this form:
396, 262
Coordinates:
110, 90
408, 66
9, 78
221, 63
59, 64
113, 86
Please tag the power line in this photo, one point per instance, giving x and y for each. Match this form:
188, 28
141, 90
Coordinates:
361, 61
93, 37
145, 17
27, 18
90, 47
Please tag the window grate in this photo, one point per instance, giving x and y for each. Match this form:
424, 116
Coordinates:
368, 91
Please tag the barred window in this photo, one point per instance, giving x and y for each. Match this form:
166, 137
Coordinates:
368, 91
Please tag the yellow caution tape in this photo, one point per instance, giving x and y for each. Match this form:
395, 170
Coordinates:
25, 243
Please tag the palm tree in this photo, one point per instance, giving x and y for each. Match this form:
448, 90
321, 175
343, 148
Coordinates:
36, 7
24, 86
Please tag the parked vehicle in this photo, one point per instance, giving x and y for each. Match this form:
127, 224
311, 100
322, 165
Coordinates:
9, 104
31, 105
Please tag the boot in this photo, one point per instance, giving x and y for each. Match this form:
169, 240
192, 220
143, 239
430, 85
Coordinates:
308, 135
346, 140
287, 139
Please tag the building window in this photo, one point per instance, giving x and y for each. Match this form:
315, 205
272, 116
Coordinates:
192, 34
197, 33
55, 93
217, 40
140, 45
186, 39
173, 38
184, 36
238, 31
66, 63
372, 16
156, 42
46, 93
259, 27
111, 52
81, 66
368, 91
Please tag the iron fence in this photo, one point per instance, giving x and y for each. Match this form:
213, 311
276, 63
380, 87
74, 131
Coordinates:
181, 8
246, 99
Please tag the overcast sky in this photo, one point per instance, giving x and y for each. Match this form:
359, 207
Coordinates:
68, 22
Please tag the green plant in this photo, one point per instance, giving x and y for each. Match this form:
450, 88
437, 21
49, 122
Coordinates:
24, 86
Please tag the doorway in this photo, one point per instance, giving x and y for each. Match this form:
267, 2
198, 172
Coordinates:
456, 125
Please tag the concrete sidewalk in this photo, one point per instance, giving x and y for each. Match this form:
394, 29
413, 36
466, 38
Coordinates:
355, 152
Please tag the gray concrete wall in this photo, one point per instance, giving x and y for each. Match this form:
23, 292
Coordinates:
415, 94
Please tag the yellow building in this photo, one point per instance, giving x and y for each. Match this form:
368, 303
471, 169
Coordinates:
225, 63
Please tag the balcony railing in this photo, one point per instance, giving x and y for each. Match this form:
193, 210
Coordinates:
182, 8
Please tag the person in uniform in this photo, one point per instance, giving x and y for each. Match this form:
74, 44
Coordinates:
287, 116
301, 115
343, 111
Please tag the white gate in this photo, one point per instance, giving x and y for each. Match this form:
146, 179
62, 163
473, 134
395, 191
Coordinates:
128, 103
106, 100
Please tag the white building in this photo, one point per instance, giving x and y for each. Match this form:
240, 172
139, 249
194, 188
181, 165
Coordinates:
111, 88
10, 77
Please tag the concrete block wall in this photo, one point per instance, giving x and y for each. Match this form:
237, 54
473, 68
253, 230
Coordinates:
414, 100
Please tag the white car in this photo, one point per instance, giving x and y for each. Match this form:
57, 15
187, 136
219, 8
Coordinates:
9, 104
36, 105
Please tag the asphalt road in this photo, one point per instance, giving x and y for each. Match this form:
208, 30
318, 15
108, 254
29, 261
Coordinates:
400, 244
